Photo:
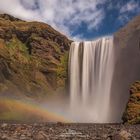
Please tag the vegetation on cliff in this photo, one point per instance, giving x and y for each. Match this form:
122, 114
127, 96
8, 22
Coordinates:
132, 112
33, 58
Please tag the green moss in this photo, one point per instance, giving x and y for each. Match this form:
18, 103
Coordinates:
18, 51
36, 37
62, 70
17, 44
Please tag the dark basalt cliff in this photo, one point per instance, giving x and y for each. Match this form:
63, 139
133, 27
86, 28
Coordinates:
127, 69
33, 58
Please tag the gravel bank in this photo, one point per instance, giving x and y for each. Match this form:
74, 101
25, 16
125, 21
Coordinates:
60, 131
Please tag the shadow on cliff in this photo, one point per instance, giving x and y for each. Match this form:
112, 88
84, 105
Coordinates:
127, 68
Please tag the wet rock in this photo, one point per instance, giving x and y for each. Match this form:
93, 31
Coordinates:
41, 136
125, 135
4, 125
109, 137
23, 137
4, 137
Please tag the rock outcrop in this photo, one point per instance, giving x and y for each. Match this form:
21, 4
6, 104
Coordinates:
132, 112
33, 58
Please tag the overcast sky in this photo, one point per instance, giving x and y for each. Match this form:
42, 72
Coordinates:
78, 19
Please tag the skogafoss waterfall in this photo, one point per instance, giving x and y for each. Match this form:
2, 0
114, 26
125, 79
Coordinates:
90, 77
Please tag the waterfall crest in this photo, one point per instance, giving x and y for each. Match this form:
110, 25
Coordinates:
90, 75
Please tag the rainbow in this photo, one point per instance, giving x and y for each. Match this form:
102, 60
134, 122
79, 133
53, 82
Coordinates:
27, 108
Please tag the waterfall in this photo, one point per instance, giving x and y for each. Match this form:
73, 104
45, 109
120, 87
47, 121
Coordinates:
90, 78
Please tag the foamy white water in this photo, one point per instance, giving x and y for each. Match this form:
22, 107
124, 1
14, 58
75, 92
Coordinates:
90, 74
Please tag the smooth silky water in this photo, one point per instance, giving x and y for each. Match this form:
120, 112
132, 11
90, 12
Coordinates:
91, 66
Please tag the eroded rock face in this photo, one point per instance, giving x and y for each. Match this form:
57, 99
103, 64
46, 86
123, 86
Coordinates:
127, 65
33, 58
132, 112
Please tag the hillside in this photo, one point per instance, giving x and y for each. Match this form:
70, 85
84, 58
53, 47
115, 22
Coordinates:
33, 58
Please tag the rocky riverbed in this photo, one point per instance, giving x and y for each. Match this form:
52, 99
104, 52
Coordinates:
60, 131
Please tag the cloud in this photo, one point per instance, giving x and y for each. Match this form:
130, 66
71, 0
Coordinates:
75, 18
131, 7
30, 4
17, 9
61, 14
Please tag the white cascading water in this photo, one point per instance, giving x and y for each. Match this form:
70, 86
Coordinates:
90, 75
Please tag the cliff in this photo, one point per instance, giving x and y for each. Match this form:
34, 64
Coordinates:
33, 58
127, 68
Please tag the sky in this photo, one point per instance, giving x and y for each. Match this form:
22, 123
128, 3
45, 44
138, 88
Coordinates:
78, 19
